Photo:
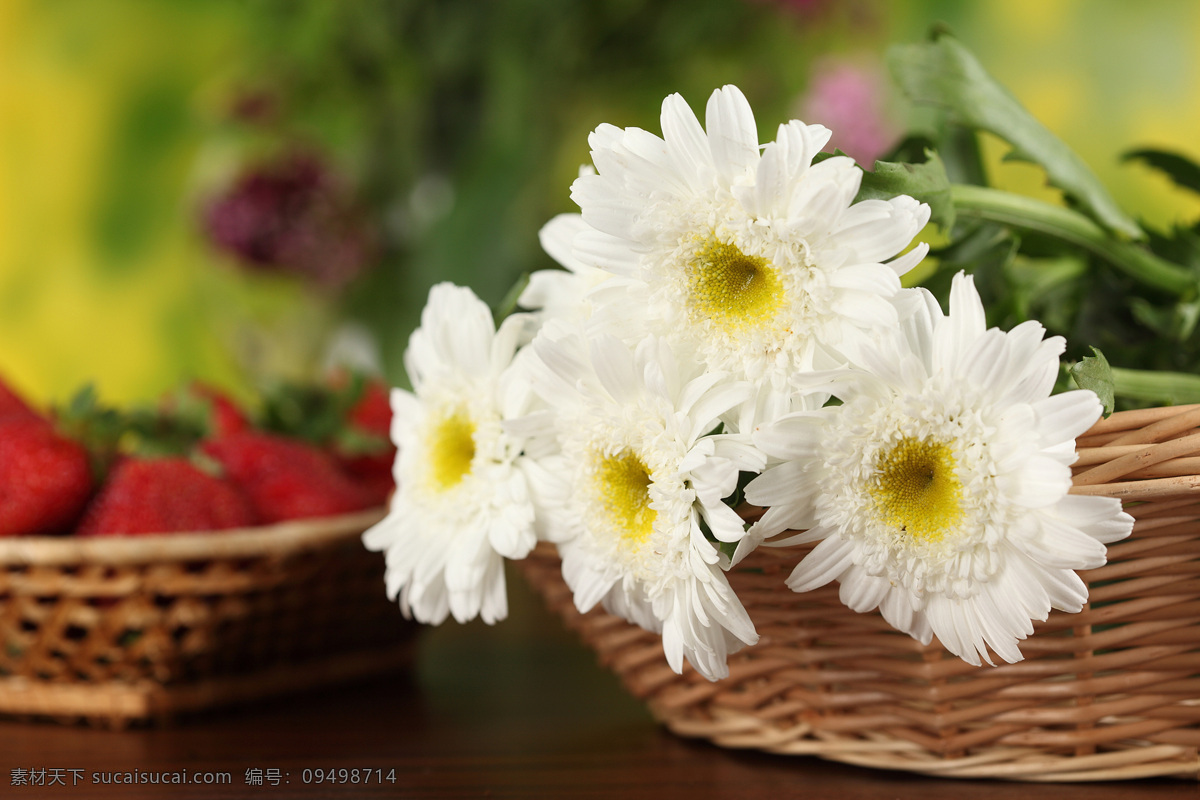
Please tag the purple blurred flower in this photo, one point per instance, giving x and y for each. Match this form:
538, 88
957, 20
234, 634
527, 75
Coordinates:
847, 97
292, 216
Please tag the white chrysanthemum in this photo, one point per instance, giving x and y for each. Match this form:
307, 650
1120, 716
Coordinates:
637, 475
753, 256
562, 293
938, 488
462, 502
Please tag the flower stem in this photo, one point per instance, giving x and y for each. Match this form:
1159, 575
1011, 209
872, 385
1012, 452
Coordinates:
1071, 226
1177, 388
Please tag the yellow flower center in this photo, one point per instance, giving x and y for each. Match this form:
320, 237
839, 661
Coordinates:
916, 490
452, 449
623, 486
731, 288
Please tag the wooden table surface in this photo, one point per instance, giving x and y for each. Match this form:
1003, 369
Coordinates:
518, 710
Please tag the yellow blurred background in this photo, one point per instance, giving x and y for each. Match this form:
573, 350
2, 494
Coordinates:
111, 134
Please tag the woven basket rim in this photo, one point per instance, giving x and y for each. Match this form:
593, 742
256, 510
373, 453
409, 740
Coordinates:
280, 538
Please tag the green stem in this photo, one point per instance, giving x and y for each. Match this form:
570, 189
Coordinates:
1070, 226
1177, 388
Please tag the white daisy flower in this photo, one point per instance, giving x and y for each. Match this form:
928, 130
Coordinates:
638, 476
462, 502
562, 293
751, 255
938, 489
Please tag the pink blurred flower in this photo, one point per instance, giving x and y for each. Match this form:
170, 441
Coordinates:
848, 98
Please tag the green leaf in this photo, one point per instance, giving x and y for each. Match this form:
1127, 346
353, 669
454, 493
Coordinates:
1153, 386
1070, 226
1093, 372
1047, 289
1180, 245
926, 182
1179, 168
99, 428
1176, 322
945, 74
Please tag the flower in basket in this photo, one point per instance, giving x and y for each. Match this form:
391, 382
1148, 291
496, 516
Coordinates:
463, 501
751, 255
635, 478
938, 487
731, 325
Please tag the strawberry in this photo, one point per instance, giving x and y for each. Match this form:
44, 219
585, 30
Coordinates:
348, 416
209, 411
286, 479
373, 411
368, 452
161, 495
226, 416
45, 478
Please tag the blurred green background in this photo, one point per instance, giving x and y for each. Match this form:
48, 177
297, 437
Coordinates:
442, 135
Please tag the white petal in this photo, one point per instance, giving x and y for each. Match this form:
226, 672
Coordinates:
897, 608
557, 238
1099, 517
965, 323
860, 591
724, 522
615, 368
1059, 544
903, 264
789, 484
1066, 590
873, 278
832, 184
732, 134
1064, 417
1041, 482
825, 563
879, 229
686, 142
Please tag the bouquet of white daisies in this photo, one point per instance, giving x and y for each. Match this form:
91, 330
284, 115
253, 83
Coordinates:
731, 332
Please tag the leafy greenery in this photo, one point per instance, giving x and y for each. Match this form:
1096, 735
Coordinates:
1094, 373
926, 182
1087, 271
944, 73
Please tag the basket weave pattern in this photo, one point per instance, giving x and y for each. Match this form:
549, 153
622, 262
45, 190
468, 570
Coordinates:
1109, 693
124, 628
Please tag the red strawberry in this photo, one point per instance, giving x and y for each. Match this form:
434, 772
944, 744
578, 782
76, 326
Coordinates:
210, 411
226, 416
285, 478
373, 411
161, 495
370, 423
45, 479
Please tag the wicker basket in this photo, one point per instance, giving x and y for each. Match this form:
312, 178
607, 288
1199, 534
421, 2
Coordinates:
122, 629
1109, 693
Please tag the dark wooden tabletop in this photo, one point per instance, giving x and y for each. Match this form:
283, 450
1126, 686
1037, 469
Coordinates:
516, 710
